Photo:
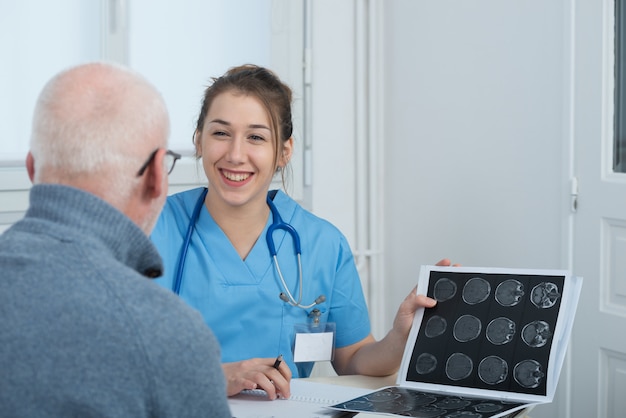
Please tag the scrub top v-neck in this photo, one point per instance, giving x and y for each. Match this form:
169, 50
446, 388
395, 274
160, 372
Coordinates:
239, 299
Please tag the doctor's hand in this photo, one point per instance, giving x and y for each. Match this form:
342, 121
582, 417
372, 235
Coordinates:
382, 358
258, 373
404, 318
444, 262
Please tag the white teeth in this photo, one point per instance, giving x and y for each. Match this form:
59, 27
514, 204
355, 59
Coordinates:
236, 176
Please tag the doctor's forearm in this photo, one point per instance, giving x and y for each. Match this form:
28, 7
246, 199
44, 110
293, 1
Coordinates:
379, 358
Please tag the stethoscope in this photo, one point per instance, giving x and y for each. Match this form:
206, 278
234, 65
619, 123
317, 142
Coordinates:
277, 223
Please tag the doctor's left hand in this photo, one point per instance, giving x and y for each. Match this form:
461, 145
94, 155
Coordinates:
406, 312
258, 373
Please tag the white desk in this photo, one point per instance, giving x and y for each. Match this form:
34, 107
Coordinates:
367, 382
256, 405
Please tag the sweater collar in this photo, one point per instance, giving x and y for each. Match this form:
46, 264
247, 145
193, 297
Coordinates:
84, 216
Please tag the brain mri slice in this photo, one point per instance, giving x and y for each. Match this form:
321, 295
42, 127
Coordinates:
528, 373
444, 289
545, 295
425, 363
435, 326
536, 333
467, 328
476, 290
500, 331
509, 292
459, 366
493, 370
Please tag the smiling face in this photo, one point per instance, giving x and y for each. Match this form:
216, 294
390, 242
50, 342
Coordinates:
238, 150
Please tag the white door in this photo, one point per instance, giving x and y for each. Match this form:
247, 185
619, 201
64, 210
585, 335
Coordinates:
598, 346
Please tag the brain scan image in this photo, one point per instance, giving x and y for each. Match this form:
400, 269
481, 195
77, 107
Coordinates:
493, 370
467, 328
544, 295
425, 363
536, 334
509, 292
359, 403
459, 366
500, 331
452, 402
427, 412
396, 401
476, 290
383, 396
464, 414
435, 326
392, 405
487, 408
444, 289
416, 398
528, 373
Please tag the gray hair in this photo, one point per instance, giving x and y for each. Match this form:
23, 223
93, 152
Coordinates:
97, 119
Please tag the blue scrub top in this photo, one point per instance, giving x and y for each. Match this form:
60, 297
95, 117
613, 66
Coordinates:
239, 299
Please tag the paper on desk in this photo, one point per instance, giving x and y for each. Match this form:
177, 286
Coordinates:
308, 400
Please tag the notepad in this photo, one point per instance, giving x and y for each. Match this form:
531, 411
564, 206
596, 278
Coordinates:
494, 344
308, 400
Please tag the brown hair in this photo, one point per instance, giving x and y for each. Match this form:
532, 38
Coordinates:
261, 83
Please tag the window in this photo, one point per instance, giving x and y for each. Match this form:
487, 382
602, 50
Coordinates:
179, 46
33, 46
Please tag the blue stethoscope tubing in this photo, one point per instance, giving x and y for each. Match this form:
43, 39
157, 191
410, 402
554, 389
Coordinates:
183, 254
277, 223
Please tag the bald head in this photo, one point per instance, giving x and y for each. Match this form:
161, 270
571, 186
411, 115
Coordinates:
93, 127
95, 119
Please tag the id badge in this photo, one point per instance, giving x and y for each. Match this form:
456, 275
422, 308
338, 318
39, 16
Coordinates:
314, 341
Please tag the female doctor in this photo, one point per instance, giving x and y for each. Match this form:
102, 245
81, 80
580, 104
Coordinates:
217, 245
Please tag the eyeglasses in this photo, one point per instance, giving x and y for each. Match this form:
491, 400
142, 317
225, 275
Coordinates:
170, 161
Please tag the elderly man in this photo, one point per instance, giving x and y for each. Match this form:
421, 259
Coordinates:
83, 330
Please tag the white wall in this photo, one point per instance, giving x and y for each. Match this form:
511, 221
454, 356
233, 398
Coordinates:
29, 57
475, 100
333, 113
474, 129
474, 123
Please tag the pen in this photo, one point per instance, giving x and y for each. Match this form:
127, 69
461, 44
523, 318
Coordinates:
279, 360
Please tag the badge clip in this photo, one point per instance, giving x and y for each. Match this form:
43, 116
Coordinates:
315, 315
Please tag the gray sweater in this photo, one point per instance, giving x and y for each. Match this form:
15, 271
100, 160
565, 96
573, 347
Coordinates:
84, 332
